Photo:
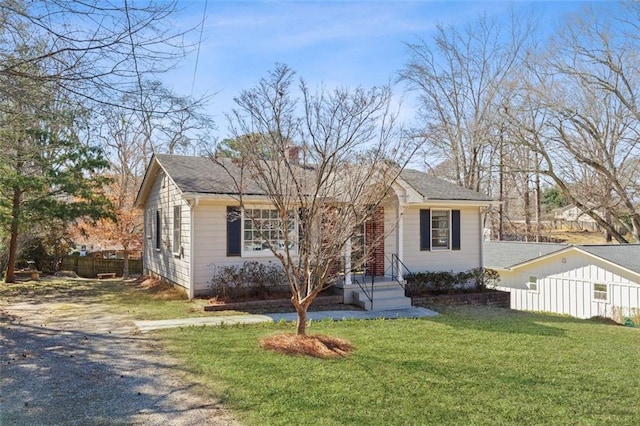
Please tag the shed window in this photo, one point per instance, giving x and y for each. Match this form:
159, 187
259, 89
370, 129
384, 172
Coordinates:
533, 283
600, 292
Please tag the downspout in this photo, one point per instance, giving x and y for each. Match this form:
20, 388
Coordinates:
192, 278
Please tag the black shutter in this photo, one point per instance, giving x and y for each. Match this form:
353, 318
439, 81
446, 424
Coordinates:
455, 229
234, 231
425, 229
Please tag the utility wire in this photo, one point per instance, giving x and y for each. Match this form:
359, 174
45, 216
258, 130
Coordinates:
195, 69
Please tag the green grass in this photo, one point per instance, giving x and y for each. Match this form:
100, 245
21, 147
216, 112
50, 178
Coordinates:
126, 297
468, 366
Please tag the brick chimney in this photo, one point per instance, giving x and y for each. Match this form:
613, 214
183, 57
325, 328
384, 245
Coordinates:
292, 154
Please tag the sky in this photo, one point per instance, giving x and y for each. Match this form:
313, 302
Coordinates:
336, 43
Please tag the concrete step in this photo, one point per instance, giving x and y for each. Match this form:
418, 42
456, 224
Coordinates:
384, 298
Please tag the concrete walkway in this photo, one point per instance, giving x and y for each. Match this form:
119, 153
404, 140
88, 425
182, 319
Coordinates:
413, 312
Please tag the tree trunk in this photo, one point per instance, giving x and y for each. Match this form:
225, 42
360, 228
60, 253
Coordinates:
125, 267
13, 241
301, 326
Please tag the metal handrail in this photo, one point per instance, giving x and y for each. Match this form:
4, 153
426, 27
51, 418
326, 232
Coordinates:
396, 263
363, 286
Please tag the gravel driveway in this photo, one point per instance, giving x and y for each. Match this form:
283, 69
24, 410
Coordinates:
74, 363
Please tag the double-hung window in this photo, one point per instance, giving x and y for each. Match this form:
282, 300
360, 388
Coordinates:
600, 292
533, 283
440, 229
264, 230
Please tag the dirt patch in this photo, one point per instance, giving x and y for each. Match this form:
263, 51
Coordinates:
317, 345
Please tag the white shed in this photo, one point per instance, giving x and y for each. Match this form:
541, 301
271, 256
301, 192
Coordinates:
578, 280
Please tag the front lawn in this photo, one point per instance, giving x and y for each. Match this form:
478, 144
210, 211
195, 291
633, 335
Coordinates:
468, 366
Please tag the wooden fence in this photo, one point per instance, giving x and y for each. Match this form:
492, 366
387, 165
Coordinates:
90, 267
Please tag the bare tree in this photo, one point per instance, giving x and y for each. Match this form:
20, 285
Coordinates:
96, 50
347, 156
577, 111
458, 76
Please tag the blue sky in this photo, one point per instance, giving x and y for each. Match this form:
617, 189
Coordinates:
335, 43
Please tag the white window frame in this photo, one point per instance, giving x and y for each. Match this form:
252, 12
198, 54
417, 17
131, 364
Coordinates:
432, 229
533, 284
246, 229
177, 229
600, 292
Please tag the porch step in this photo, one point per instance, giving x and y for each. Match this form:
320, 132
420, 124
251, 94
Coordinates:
386, 296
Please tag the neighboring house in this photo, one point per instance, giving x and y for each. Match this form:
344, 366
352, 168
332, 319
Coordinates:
578, 280
189, 207
573, 217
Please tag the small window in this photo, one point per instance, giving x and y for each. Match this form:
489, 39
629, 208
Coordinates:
600, 292
177, 226
158, 230
533, 283
149, 223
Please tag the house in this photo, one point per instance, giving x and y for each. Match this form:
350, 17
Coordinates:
573, 217
427, 223
578, 280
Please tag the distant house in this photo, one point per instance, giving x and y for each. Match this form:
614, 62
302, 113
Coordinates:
578, 280
190, 228
573, 217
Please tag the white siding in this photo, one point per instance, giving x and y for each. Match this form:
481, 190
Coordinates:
210, 244
173, 267
566, 287
466, 258
390, 236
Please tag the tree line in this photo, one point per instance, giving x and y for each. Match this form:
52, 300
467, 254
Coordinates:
502, 110
512, 114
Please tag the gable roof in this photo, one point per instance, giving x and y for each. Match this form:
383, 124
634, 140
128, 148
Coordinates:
625, 255
202, 175
433, 188
509, 255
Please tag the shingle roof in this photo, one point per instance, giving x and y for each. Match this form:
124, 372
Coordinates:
506, 254
433, 188
625, 255
205, 176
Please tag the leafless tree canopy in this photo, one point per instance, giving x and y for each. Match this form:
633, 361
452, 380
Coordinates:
507, 115
325, 160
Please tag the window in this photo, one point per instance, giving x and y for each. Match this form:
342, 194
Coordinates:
158, 230
533, 283
149, 223
177, 224
600, 292
263, 230
440, 229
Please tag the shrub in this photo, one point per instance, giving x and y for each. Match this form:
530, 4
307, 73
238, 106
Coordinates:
421, 283
252, 279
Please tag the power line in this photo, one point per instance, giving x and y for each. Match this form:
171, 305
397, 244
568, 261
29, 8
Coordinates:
195, 69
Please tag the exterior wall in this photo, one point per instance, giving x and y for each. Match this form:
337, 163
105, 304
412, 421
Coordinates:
567, 287
210, 244
469, 255
171, 261
391, 236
